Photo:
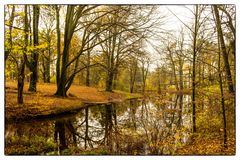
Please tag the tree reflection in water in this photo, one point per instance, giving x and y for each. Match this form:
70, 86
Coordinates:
132, 127
62, 137
137, 127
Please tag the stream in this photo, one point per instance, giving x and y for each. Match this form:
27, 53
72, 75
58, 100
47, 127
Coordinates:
133, 127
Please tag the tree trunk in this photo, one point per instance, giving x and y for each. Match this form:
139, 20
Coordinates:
181, 76
133, 72
173, 68
88, 69
108, 126
159, 81
44, 70
33, 80
88, 76
143, 87
143, 79
131, 86
189, 75
222, 99
180, 110
68, 33
115, 80
203, 71
21, 67
61, 90
109, 81
86, 131
223, 112
193, 72
144, 76
70, 127
60, 132
47, 72
21, 76
48, 61
231, 26
34, 57
58, 45
224, 51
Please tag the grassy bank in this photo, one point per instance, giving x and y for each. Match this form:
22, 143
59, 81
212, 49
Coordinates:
44, 103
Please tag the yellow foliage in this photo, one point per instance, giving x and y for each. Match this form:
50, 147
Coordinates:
177, 136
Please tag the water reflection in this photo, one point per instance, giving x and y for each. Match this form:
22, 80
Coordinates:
60, 135
135, 127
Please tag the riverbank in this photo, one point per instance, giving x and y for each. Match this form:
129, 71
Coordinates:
43, 103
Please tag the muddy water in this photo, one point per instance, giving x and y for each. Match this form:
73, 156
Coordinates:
133, 127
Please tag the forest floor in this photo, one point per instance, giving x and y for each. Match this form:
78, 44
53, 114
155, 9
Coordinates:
43, 103
209, 143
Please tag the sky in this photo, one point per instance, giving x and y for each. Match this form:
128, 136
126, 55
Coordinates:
171, 23
181, 11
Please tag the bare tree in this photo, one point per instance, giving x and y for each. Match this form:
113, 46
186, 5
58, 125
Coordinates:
223, 50
195, 33
57, 8
89, 32
222, 98
145, 62
47, 36
133, 66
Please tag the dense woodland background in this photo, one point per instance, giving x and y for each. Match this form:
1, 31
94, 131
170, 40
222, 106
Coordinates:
129, 48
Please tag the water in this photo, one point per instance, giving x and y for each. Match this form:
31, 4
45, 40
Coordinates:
133, 127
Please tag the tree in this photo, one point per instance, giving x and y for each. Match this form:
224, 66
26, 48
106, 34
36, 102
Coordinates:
66, 76
57, 8
133, 66
21, 76
33, 62
47, 37
21, 65
9, 45
59, 132
124, 34
195, 33
145, 62
88, 69
180, 58
223, 50
229, 11
112, 47
70, 25
158, 70
222, 98
173, 65
88, 61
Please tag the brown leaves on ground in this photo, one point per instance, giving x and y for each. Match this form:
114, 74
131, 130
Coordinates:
208, 145
43, 102
38, 104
